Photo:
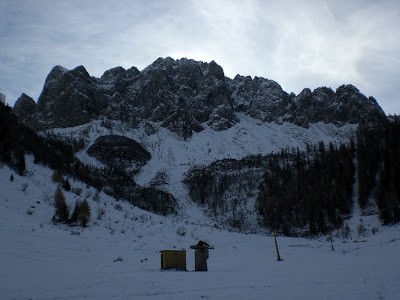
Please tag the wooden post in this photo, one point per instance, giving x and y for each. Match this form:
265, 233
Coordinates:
278, 257
330, 238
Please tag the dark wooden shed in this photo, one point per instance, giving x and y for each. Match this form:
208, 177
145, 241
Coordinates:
173, 259
201, 255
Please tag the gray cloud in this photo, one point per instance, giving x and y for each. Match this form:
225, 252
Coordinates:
296, 43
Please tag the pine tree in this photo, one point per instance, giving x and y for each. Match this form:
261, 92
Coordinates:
81, 213
75, 214
84, 216
61, 214
66, 185
20, 163
57, 176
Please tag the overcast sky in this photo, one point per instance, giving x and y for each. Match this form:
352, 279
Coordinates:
296, 43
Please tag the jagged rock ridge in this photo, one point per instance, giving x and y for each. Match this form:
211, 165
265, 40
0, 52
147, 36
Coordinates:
264, 99
185, 95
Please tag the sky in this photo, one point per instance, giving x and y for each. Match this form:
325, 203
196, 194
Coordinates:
298, 44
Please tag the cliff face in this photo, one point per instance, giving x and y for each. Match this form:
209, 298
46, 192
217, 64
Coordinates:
184, 96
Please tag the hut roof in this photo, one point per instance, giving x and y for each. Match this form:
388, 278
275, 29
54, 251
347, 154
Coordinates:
201, 245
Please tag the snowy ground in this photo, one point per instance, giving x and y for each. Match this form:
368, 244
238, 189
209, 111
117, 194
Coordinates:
117, 256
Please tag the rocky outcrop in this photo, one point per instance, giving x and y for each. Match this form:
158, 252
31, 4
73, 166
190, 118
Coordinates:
119, 151
222, 118
260, 98
346, 105
25, 108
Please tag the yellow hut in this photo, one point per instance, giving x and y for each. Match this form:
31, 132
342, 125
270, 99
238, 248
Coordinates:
173, 259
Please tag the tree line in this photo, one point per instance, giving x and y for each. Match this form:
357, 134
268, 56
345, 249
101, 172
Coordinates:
310, 189
378, 165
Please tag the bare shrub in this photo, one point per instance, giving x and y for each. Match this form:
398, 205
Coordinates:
118, 207
374, 230
361, 230
24, 186
96, 196
345, 231
181, 231
77, 191
101, 211
57, 176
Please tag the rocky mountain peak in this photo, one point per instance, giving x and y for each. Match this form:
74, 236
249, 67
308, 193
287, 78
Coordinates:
55, 74
79, 73
347, 88
119, 73
181, 94
69, 98
322, 93
305, 93
259, 97
113, 74
25, 106
354, 107
159, 64
24, 100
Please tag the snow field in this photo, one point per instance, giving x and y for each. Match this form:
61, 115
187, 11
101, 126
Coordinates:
117, 257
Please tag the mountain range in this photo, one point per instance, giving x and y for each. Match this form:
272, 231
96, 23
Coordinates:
137, 162
174, 121
185, 95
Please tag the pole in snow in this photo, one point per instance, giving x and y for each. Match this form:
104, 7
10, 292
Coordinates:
278, 257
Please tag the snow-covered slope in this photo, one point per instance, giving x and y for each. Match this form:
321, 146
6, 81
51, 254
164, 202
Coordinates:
173, 156
117, 256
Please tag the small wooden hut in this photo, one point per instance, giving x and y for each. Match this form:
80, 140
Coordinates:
173, 259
